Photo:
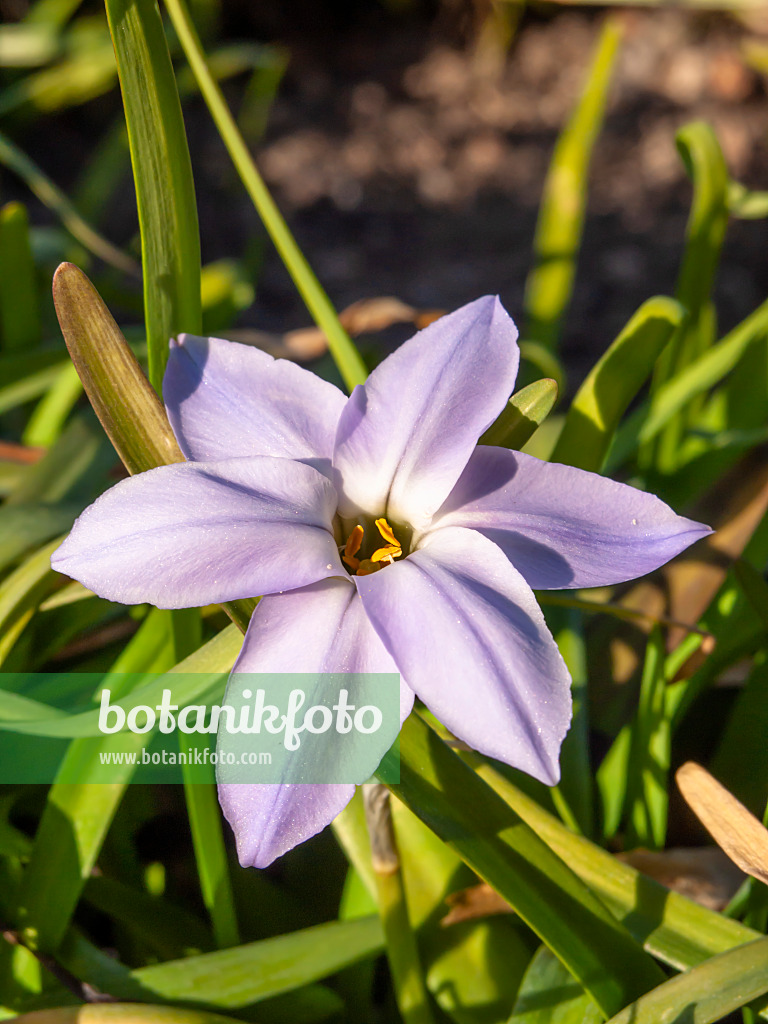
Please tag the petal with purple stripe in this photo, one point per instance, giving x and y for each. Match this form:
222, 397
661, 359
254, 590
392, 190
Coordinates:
406, 434
564, 527
201, 532
226, 400
465, 630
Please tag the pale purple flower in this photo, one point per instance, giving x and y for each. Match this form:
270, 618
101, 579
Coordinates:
286, 473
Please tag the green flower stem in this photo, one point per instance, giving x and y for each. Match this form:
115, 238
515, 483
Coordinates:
402, 951
342, 349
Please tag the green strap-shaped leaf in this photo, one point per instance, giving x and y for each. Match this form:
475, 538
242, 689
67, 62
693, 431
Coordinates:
165, 193
343, 350
705, 372
19, 309
77, 815
708, 219
613, 382
549, 994
706, 993
246, 974
22, 592
123, 1013
523, 414
671, 927
47, 421
561, 216
650, 754
502, 849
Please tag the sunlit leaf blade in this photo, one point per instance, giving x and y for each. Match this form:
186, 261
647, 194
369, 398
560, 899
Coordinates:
649, 753
47, 421
19, 309
705, 372
613, 382
746, 204
563, 204
29, 524
22, 591
208, 840
72, 469
77, 815
247, 974
165, 194
549, 994
123, 1013
522, 415
127, 406
348, 359
677, 931
730, 824
303, 1003
504, 851
704, 161
25, 376
706, 993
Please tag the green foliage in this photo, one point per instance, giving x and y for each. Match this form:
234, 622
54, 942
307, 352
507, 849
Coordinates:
136, 891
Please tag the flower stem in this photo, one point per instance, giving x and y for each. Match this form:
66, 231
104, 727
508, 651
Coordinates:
402, 951
342, 349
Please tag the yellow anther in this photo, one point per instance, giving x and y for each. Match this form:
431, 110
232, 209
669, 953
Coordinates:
354, 541
352, 546
387, 533
387, 554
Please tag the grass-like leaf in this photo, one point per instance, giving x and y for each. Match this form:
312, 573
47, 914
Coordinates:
162, 172
19, 310
677, 931
343, 350
504, 851
613, 382
561, 215
550, 995
706, 993
523, 414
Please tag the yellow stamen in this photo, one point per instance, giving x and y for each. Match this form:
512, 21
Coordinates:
352, 546
386, 532
387, 554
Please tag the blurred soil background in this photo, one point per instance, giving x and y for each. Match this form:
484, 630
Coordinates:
408, 145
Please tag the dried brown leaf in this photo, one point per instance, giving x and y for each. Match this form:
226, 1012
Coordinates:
476, 901
735, 829
703, 874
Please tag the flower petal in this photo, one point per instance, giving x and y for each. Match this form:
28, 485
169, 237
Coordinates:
270, 820
226, 400
406, 434
199, 532
320, 628
563, 527
466, 631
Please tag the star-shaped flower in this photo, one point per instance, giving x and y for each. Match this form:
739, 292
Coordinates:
384, 538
